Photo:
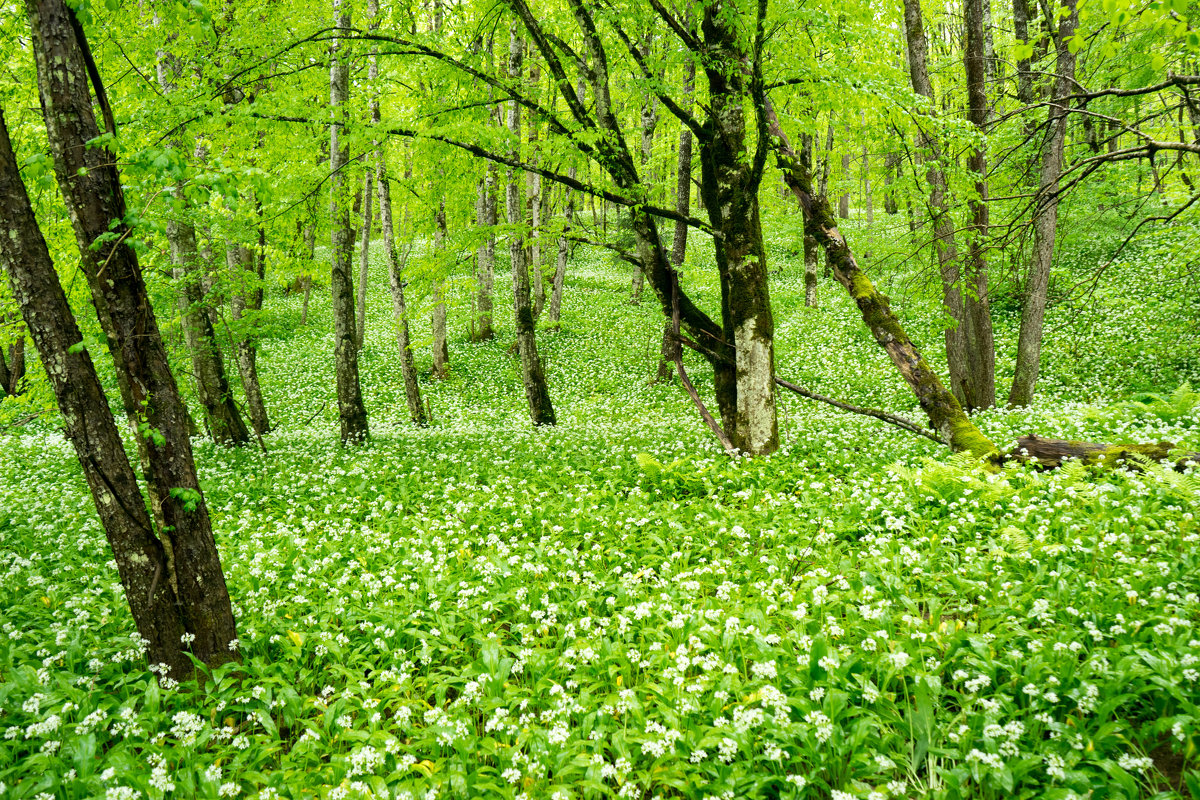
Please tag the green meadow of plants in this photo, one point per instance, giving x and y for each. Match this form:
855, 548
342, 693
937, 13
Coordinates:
613, 607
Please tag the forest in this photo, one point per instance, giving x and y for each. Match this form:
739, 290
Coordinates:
575, 399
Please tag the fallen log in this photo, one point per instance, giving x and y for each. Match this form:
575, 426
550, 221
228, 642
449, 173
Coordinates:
1050, 453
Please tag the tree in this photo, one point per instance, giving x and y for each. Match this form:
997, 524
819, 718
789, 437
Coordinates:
141, 559
352, 414
91, 187
537, 393
1045, 219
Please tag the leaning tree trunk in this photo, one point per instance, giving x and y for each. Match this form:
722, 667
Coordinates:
12, 370
91, 188
396, 263
240, 260
945, 414
981, 351
352, 413
537, 393
943, 222
1045, 220
5, 376
139, 555
730, 181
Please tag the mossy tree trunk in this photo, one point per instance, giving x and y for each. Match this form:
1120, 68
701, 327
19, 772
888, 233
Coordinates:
731, 176
946, 416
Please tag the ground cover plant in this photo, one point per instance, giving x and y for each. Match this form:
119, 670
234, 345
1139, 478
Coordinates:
612, 607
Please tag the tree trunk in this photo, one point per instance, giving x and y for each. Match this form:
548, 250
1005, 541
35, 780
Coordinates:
946, 416
441, 347
141, 560
810, 244
980, 389
564, 248
891, 166
222, 419
669, 349
844, 199
534, 201
541, 411
731, 179
92, 193
221, 415
1021, 34
12, 370
240, 259
943, 222
649, 121
352, 414
364, 264
1045, 220
310, 247
485, 278
396, 263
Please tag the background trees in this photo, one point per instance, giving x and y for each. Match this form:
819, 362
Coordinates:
619, 119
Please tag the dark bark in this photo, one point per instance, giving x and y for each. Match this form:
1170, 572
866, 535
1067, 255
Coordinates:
1045, 220
12, 368
221, 415
352, 413
732, 173
1051, 453
88, 422
222, 419
537, 393
891, 166
92, 193
980, 388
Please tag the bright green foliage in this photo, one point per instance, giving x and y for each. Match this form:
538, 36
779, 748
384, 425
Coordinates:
614, 606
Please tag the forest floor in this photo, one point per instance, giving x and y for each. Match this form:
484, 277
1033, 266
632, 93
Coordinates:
612, 607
